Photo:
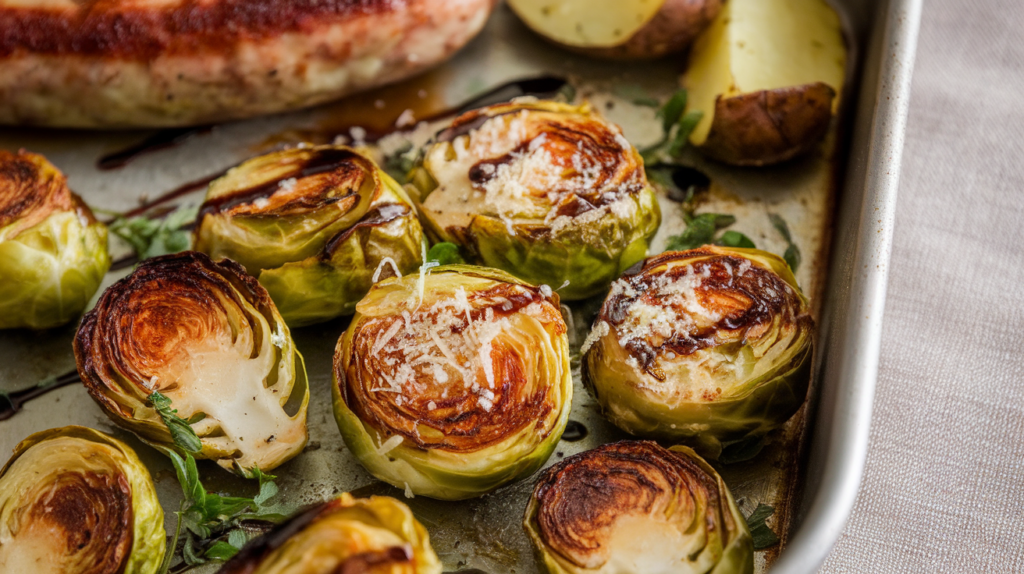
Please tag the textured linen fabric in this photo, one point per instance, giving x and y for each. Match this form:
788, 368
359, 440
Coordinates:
943, 490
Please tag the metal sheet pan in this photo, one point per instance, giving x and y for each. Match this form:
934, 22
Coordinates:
810, 470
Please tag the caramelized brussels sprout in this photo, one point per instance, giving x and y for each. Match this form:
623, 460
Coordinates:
633, 506
455, 382
76, 501
711, 346
548, 192
369, 535
312, 224
53, 252
207, 337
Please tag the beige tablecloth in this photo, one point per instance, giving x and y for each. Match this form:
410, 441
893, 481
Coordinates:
944, 486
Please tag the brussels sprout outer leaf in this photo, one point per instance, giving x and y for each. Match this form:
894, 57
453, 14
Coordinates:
315, 259
51, 271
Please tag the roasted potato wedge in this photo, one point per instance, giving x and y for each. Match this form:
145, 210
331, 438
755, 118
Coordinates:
766, 74
618, 29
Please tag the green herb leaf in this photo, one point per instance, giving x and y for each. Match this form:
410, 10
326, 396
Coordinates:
221, 550
237, 538
759, 531
792, 253
792, 257
735, 239
207, 517
781, 226
399, 163
700, 231
181, 430
672, 110
686, 125
151, 237
445, 254
741, 451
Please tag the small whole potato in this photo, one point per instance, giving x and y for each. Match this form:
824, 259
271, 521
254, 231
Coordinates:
619, 29
766, 75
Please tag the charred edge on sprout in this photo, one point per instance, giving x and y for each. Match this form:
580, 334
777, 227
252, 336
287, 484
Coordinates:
106, 337
380, 215
466, 428
338, 169
30, 189
184, 28
580, 498
754, 306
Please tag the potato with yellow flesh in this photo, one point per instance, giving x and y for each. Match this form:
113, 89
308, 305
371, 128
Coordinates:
766, 74
618, 29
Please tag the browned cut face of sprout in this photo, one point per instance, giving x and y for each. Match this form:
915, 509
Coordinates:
207, 337
710, 346
454, 382
74, 500
634, 506
548, 192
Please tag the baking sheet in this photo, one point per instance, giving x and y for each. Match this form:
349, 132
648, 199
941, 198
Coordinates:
485, 533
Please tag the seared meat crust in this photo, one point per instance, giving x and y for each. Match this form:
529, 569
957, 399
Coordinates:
124, 63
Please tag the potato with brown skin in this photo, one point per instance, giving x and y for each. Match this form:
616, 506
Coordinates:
766, 74
618, 29
769, 126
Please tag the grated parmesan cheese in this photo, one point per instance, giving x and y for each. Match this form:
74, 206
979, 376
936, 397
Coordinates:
390, 444
380, 266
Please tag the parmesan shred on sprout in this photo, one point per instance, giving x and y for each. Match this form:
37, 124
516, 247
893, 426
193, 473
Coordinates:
533, 182
678, 310
443, 342
390, 444
425, 267
380, 266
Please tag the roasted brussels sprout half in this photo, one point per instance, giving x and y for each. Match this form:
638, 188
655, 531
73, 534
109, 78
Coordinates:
312, 224
368, 535
711, 346
76, 501
548, 192
452, 383
53, 252
207, 337
632, 507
